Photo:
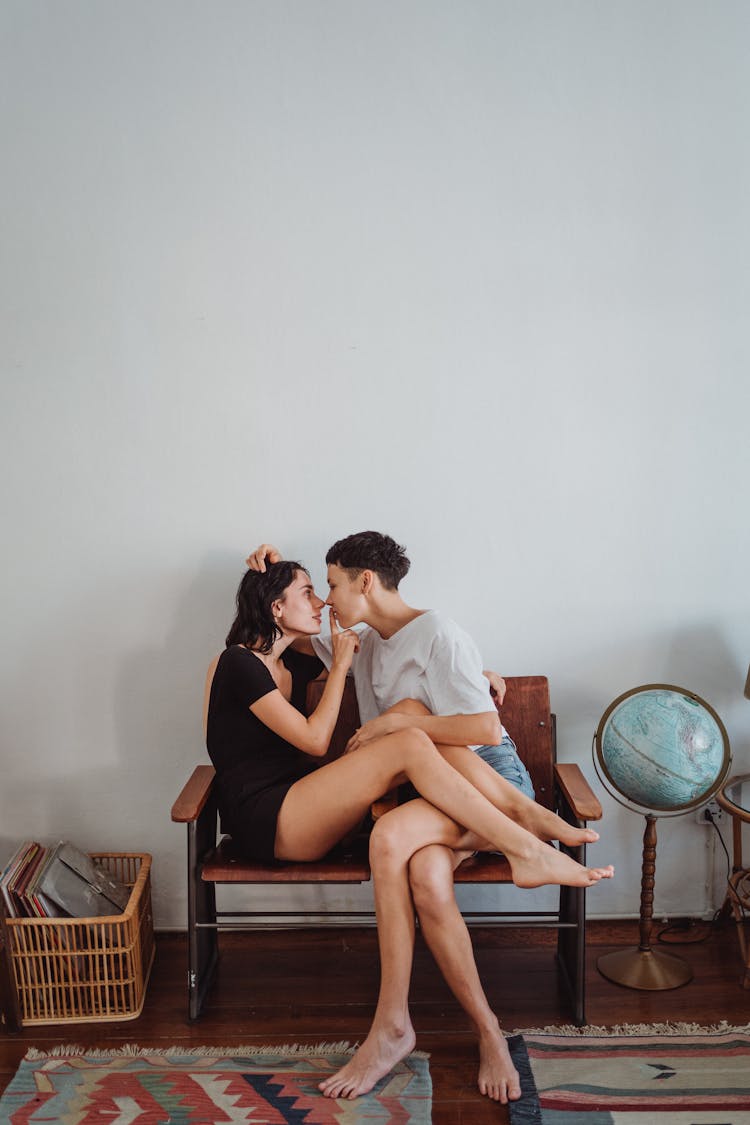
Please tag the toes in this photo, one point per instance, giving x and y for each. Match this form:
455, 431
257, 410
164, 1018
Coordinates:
330, 1089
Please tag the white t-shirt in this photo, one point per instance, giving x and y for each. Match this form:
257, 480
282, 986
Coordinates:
431, 659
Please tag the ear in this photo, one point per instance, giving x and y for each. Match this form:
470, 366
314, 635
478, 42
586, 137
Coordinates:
276, 609
367, 579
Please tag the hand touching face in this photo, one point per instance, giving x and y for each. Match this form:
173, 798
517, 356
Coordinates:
344, 644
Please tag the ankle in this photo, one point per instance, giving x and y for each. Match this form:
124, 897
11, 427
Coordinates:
392, 1025
488, 1028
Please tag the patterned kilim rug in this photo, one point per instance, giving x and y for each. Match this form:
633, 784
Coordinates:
263, 1086
633, 1075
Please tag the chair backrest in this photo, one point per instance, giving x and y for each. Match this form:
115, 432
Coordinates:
348, 719
526, 717
525, 714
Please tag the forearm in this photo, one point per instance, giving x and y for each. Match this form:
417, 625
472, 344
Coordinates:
321, 722
461, 730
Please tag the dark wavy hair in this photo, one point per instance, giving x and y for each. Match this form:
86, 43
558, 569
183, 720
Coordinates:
370, 550
254, 625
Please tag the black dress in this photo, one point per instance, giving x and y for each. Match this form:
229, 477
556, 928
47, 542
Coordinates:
255, 768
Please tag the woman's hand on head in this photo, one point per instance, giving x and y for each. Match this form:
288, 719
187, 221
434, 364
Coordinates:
266, 553
344, 644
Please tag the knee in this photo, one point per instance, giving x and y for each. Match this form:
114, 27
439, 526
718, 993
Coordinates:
406, 748
409, 707
386, 843
416, 743
431, 880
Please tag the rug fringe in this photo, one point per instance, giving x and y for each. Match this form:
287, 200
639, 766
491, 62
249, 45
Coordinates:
671, 1028
64, 1050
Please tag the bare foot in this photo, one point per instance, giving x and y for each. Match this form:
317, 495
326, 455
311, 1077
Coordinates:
498, 1078
547, 825
377, 1056
567, 834
546, 865
573, 836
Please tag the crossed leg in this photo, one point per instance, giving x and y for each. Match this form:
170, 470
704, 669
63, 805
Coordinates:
427, 885
394, 839
397, 840
541, 821
442, 924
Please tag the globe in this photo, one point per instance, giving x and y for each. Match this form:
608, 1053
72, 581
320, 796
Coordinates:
662, 749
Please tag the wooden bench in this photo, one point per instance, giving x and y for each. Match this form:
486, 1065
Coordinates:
212, 859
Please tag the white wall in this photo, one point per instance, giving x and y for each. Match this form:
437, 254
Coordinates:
472, 273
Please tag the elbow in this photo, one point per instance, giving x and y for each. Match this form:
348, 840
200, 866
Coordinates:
315, 747
492, 729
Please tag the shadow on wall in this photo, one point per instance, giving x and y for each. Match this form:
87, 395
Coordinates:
697, 658
159, 695
126, 754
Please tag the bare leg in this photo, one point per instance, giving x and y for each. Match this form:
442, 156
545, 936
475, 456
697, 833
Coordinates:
431, 878
395, 837
322, 807
544, 823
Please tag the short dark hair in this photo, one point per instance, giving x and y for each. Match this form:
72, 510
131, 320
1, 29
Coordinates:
370, 550
254, 624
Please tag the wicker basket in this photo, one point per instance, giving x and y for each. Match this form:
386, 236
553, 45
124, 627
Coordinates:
82, 970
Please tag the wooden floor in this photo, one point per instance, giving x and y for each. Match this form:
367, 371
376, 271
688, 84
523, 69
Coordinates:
308, 986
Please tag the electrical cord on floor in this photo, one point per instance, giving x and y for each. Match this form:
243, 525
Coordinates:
731, 890
705, 928
683, 925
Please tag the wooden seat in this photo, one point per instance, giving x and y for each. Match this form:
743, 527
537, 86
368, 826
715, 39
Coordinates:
226, 865
213, 860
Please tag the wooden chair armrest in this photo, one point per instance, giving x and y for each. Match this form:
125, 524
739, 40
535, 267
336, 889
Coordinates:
577, 792
194, 795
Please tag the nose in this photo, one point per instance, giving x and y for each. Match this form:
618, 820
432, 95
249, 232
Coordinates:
319, 603
328, 601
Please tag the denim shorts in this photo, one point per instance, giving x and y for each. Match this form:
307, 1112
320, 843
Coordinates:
504, 760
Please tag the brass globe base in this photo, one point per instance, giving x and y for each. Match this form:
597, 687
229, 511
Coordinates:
645, 968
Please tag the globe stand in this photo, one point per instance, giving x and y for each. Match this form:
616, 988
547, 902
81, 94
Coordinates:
644, 967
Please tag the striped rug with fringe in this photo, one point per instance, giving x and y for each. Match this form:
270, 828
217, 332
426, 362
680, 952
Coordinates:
655, 1074
259, 1085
